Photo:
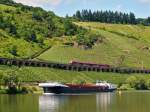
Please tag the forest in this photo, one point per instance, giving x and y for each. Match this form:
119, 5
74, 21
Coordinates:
110, 17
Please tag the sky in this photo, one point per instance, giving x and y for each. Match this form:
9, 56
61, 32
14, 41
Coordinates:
141, 8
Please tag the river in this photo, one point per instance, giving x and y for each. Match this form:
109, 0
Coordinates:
137, 101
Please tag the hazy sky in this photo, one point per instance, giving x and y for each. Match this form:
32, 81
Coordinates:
141, 8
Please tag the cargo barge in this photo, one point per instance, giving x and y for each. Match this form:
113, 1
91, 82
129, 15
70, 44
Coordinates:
58, 88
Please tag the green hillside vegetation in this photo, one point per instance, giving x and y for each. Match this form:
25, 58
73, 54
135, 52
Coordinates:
26, 30
31, 74
120, 45
32, 27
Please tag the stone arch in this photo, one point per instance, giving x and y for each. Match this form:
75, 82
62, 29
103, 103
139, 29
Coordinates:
89, 69
26, 63
74, 68
20, 63
117, 70
44, 65
98, 69
13, 62
79, 68
1, 62
69, 67
32, 64
38, 65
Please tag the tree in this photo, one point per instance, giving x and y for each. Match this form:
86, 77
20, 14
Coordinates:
141, 84
29, 35
13, 50
137, 82
106, 16
11, 80
80, 38
90, 15
87, 39
6, 2
131, 81
12, 29
116, 17
132, 18
37, 15
51, 27
125, 18
67, 16
148, 83
78, 15
32, 37
70, 28
148, 19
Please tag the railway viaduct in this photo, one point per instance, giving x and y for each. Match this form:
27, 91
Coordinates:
71, 67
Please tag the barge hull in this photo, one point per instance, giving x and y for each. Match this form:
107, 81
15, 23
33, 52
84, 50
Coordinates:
67, 90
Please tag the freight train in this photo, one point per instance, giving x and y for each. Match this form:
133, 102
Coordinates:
106, 67
87, 64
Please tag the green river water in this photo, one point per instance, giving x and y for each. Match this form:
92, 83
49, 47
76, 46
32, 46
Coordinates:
138, 101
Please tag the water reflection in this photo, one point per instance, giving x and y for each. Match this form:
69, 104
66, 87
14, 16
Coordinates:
75, 103
50, 103
19, 103
103, 101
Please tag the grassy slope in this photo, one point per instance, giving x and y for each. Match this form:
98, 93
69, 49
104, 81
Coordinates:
28, 74
111, 49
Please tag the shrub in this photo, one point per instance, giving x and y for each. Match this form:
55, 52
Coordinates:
37, 15
125, 87
34, 88
137, 82
3, 91
148, 83
24, 90
13, 50
12, 90
11, 78
29, 89
87, 39
141, 85
132, 80
70, 28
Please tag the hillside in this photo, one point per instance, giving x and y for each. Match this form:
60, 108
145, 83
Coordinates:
123, 45
25, 30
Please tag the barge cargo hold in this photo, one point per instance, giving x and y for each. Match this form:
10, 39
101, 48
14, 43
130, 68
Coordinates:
58, 88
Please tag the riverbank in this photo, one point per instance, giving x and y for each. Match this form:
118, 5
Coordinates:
30, 89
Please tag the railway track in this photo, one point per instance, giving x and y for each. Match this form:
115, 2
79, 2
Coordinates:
71, 67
